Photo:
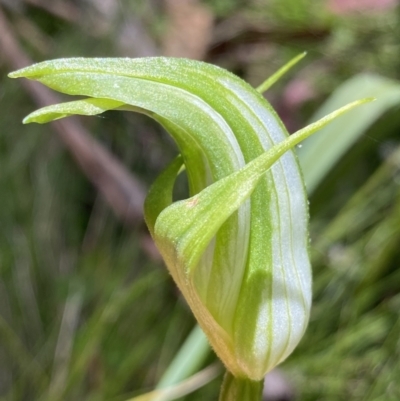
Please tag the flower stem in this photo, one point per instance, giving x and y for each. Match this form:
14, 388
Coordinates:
239, 389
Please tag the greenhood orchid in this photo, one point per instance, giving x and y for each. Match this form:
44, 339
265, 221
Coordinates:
237, 247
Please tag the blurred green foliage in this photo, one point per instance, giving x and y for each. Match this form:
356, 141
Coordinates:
84, 313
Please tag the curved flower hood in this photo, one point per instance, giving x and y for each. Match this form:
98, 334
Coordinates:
237, 248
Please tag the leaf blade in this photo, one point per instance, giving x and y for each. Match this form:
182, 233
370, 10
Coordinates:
320, 153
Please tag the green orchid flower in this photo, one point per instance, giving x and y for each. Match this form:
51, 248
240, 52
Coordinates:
237, 247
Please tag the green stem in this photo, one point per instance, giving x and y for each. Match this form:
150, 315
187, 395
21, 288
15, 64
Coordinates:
280, 73
239, 389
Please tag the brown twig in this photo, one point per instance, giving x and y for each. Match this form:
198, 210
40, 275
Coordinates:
123, 192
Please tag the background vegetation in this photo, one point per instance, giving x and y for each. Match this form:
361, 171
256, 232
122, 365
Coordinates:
87, 310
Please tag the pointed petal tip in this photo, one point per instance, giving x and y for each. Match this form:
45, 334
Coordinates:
20, 73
